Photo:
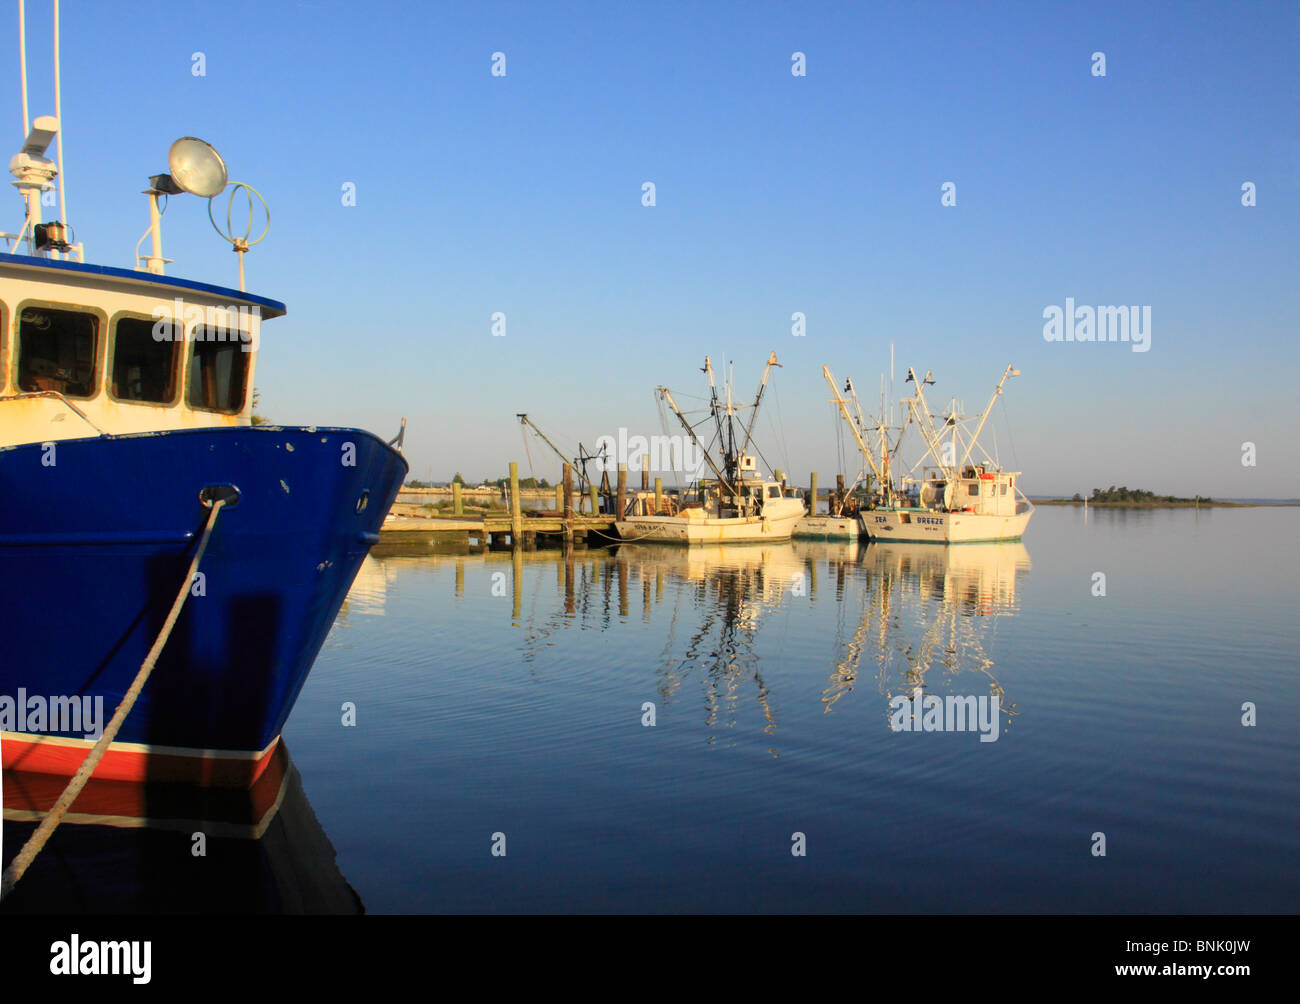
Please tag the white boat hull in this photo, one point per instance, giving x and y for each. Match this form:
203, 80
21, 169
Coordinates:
924, 526
828, 528
727, 530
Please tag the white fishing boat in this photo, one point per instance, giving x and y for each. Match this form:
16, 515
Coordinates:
738, 505
963, 496
955, 501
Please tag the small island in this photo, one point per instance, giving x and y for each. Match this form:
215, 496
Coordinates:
1135, 498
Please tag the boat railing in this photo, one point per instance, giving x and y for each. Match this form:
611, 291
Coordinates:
28, 395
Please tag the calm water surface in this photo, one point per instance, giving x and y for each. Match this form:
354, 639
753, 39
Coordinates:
500, 694
505, 696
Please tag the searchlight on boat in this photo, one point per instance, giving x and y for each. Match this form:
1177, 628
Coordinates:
196, 168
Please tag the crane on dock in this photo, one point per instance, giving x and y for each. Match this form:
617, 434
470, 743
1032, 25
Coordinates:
579, 462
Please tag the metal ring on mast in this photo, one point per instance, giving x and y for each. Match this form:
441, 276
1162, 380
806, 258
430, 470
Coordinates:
229, 232
240, 245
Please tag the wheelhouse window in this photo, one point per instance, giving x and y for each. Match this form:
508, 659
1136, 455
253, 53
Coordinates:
975, 489
218, 372
57, 351
144, 368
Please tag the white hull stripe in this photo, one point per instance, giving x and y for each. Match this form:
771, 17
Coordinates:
148, 749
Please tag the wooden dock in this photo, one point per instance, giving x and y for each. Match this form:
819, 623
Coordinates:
406, 532
454, 533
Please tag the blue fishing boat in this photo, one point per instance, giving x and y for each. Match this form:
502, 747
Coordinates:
127, 444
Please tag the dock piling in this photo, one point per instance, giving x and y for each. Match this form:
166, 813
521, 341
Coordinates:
516, 514
517, 584
566, 486
570, 600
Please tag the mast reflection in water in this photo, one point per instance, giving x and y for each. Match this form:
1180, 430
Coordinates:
922, 621
923, 617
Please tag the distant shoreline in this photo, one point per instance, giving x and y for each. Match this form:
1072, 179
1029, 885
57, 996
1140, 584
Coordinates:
1184, 504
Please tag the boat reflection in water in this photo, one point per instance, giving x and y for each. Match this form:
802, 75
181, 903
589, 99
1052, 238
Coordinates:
907, 615
131, 848
923, 617
734, 587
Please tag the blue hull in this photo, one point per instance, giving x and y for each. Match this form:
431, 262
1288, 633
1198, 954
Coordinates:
94, 549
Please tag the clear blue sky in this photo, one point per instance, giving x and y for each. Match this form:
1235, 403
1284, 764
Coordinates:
775, 194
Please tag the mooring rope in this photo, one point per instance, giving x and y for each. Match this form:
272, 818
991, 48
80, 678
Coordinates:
38, 839
623, 540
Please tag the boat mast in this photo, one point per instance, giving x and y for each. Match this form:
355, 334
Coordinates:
884, 454
730, 455
887, 460
667, 396
725, 439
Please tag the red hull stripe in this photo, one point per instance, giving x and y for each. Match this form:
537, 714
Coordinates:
228, 812
134, 762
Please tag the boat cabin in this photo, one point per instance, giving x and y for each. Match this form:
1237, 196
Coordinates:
708, 501
89, 350
752, 494
978, 490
